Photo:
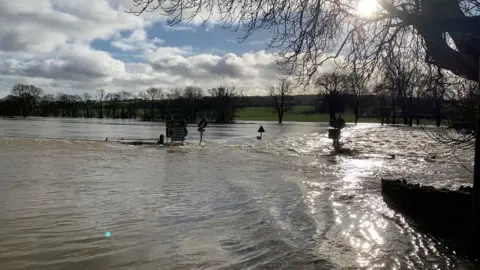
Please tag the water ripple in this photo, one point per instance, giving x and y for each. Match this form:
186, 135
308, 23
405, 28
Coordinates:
282, 202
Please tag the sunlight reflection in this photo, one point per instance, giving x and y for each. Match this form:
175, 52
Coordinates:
310, 200
356, 169
362, 227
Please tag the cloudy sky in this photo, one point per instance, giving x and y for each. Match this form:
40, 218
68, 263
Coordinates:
77, 46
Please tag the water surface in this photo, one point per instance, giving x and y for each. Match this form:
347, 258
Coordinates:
232, 203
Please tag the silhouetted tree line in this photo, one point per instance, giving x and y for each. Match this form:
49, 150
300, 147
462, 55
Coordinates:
151, 105
404, 93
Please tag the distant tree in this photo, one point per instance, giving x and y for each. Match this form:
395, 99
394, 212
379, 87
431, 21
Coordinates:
192, 96
29, 95
436, 84
36, 93
100, 99
331, 85
113, 99
20, 92
132, 106
49, 105
86, 99
401, 77
176, 102
62, 104
153, 93
192, 93
281, 96
74, 101
224, 103
461, 109
124, 98
144, 97
174, 93
381, 91
10, 106
356, 84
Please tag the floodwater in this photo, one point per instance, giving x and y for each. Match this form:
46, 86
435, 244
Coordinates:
234, 202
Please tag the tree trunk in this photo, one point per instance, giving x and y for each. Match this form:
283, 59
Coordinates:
404, 113
100, 115
394, 114
382, 109
153, 107
410, 111
357, 111
438, 113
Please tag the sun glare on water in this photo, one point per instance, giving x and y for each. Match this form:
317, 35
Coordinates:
366, 7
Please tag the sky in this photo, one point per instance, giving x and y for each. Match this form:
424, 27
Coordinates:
75, 46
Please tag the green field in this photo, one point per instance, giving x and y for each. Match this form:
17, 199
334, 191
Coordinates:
298, 114
304, 114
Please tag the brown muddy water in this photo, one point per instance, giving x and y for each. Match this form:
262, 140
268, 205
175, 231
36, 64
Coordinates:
233, 203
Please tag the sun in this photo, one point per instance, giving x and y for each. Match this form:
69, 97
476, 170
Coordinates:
366, 7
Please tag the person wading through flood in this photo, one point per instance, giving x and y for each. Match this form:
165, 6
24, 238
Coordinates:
338, 124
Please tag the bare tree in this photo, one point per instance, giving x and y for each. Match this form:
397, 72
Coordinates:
124, 98
192, 95
399, 77
143, 96
113, 99
36, 94
356, 84
133, 106
381, 91
29, 95
86, 99
331, 84
444, 33
280, 95
435, 88
100, 99
174, 93
153, 93
224, 103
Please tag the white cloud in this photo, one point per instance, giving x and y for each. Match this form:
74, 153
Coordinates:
137, 41
40, 26
80, 68
47, 43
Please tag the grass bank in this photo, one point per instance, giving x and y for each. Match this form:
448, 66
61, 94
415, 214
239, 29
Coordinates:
303, 114
297, 114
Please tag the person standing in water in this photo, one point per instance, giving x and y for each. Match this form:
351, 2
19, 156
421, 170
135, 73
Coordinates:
338, 124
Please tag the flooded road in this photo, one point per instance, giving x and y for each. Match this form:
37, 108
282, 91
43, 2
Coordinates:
233, 203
